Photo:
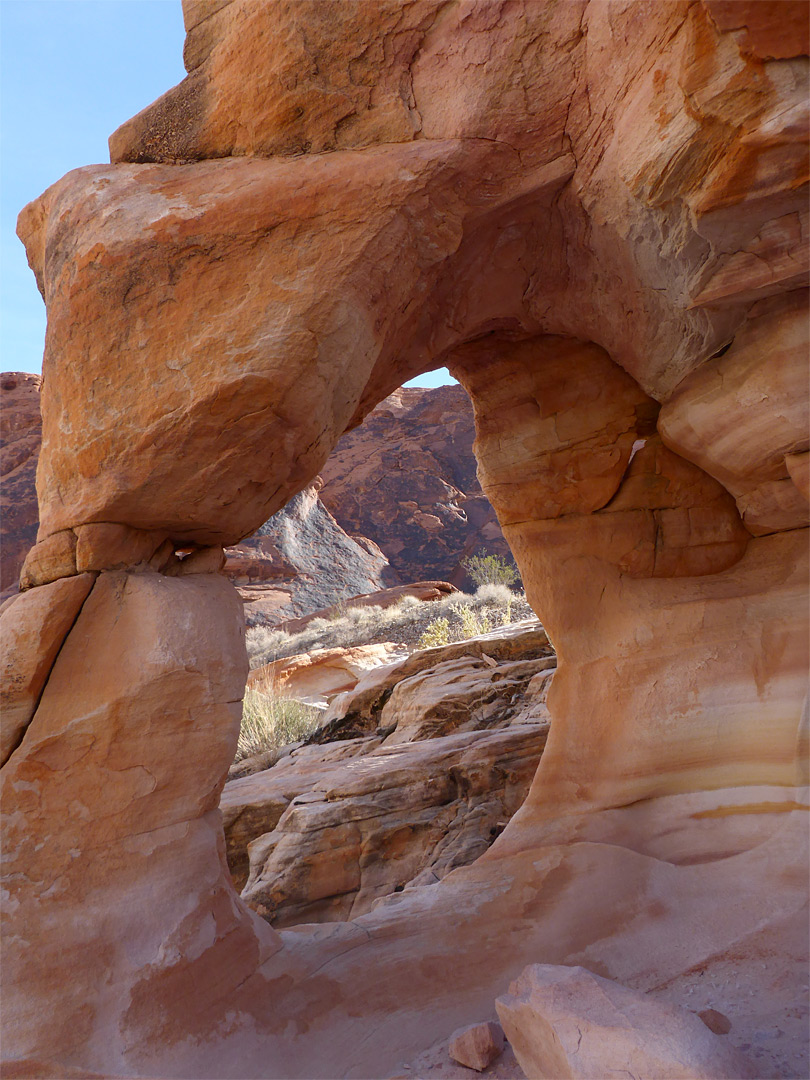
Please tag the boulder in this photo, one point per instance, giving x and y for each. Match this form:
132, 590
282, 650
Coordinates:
476, 1046
565, 1023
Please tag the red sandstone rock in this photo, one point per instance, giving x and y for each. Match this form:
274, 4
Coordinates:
339, 824
477, 1046
20, 434
768, 30
391, 817
701, 419
153, 669
33, 629
517, 647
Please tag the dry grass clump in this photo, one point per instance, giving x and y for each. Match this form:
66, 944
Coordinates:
467, 615
270, 722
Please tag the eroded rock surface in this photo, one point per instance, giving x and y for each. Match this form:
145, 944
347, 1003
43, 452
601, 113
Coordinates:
301, 561
451, 742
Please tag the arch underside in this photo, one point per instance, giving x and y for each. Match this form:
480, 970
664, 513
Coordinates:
581, 240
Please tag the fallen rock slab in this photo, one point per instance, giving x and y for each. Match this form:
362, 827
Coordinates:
565, 1023
477, 1046
33, 629
316, 677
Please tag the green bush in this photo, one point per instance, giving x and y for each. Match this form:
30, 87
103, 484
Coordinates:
487, 569
435, 633
270, 722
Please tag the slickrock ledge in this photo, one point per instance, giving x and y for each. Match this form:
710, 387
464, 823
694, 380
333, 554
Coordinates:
449, 745
594, 214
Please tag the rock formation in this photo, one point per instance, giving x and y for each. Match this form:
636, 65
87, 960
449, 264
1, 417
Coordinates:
301, 561
406, 479
592, 212
415, 772
414, 448
20, 436
317, 676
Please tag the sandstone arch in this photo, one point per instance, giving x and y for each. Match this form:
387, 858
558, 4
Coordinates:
547, 197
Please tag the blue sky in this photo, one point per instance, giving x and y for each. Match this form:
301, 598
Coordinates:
71, 71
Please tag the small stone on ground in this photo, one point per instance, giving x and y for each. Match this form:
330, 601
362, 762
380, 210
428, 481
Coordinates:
476, 1046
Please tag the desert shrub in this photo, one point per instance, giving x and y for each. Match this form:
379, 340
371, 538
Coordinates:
506, 617
495, 595
338, 611
487, 569
435, 633
474, 623
407, 621
264, 641
270, 722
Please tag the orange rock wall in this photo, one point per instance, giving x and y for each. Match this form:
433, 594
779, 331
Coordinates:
595, 212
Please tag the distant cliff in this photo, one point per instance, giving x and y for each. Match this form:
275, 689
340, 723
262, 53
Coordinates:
406, 479
20, 437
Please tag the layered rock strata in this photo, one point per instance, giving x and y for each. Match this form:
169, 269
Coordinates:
454, 735
595, 214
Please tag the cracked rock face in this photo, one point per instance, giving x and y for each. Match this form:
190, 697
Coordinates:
595, 214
